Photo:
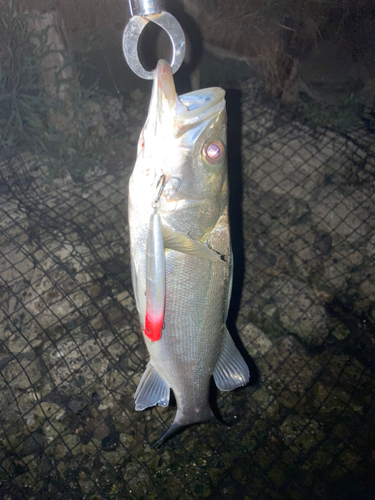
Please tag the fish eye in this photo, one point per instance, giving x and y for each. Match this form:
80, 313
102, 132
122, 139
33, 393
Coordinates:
213, 152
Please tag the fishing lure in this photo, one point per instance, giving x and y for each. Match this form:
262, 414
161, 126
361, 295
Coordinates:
155, 272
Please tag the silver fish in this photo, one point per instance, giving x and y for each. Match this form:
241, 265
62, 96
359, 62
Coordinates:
181, 252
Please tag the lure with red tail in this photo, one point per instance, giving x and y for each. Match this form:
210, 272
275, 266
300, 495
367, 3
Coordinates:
155, 279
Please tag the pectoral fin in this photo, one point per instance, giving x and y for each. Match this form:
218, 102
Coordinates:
151, 391
175, 240
231, 371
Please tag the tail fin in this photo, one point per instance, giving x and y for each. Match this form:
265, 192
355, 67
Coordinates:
181, 423
172, 431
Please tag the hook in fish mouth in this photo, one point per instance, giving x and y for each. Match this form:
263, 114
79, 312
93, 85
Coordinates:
161, 183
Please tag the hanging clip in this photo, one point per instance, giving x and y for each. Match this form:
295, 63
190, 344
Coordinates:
142, 12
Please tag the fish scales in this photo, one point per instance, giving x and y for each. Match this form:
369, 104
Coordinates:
189, 350
181, 175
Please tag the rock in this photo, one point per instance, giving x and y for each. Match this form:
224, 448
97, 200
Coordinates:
46, 410
89, 448
335, 273
256, 342
13, 223
97, 427
126, 300
53, 430
332, 72
339, 214
323, 243
31, 464
113, 114
137, 95
138, 479
65, 444
370, 247
298, 310
92, 117
76, 405
111, 442
133, 139
64, 180
16, 263
367, 292
60, 285
23, 339
102, 131
265, 401
367, 287
301, 433
351, 257
23, 372
275, 168
85, 483
322, 295
126, 439
34, 443
76, 364
338, 272
306, 260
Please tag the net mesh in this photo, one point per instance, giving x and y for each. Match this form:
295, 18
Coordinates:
71, 353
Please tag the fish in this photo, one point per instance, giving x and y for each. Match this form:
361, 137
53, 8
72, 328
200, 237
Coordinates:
181, 258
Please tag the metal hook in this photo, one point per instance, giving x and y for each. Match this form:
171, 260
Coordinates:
142, 12
162, 182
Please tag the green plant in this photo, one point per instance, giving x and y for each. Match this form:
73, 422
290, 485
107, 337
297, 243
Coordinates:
56, 122
23, 110
341, 115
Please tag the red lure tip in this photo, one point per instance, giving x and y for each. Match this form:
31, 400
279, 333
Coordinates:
153, 326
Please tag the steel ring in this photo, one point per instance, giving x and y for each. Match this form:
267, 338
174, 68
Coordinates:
133, 31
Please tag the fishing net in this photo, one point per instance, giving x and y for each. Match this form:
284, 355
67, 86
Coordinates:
71, 353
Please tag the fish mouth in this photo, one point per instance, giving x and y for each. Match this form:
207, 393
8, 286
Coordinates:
164, 97
203, 100
164, 83
188, 110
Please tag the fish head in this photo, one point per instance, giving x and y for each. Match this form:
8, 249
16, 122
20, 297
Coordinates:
181, 160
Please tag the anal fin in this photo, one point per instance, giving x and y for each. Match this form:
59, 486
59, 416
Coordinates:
231, 371
151, 391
